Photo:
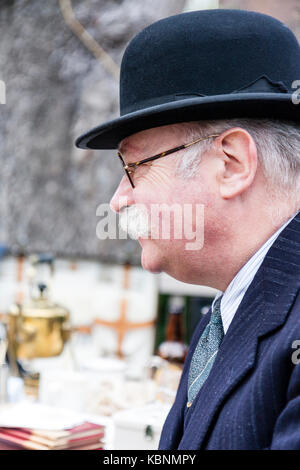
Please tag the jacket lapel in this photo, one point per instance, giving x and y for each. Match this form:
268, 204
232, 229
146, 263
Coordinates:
264, 308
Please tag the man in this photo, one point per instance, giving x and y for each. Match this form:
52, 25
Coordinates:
210, 96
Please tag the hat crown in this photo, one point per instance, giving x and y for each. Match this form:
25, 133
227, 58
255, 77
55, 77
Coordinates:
204, 65
207, 53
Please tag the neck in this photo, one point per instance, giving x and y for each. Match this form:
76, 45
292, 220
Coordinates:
246, 237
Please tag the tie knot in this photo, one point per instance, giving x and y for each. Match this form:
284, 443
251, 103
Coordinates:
217, 305
216, 312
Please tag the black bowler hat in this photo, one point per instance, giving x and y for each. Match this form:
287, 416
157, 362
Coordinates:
208, 64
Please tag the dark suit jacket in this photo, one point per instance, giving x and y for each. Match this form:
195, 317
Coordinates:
251, 399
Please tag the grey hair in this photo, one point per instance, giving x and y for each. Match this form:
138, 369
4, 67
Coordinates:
277, 142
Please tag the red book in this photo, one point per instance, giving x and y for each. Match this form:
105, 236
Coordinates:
26, 444
83, 434
95, 446
9, 446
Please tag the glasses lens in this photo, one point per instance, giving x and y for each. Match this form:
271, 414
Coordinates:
126, 171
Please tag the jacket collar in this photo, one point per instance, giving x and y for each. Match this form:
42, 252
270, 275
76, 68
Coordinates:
264, 308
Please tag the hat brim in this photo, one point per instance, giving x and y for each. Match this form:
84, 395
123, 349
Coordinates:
237, 105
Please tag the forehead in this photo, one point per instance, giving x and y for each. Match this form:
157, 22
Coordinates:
151, 141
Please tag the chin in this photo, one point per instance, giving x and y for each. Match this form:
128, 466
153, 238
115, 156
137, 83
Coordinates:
151, 261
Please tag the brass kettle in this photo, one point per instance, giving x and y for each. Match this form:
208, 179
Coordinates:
38, 328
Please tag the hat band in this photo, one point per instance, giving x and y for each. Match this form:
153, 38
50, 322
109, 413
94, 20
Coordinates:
261, 85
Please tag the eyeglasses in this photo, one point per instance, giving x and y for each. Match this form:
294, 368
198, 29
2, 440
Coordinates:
130, 168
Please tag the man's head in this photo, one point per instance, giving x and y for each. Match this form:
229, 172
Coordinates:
233, 190
227, 76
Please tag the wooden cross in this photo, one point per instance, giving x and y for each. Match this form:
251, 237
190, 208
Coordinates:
122, 325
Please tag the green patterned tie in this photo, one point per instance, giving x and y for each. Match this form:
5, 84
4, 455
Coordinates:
205, 352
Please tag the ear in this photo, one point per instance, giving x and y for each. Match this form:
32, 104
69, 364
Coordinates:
239, 162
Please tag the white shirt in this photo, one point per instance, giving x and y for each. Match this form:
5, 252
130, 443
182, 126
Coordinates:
236, 290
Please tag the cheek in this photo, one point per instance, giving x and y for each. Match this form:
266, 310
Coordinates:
194, 191
154, 189
173, 201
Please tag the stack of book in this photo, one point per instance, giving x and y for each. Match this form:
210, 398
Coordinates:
85, 436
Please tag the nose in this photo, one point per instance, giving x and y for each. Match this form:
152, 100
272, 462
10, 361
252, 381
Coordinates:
123, 196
